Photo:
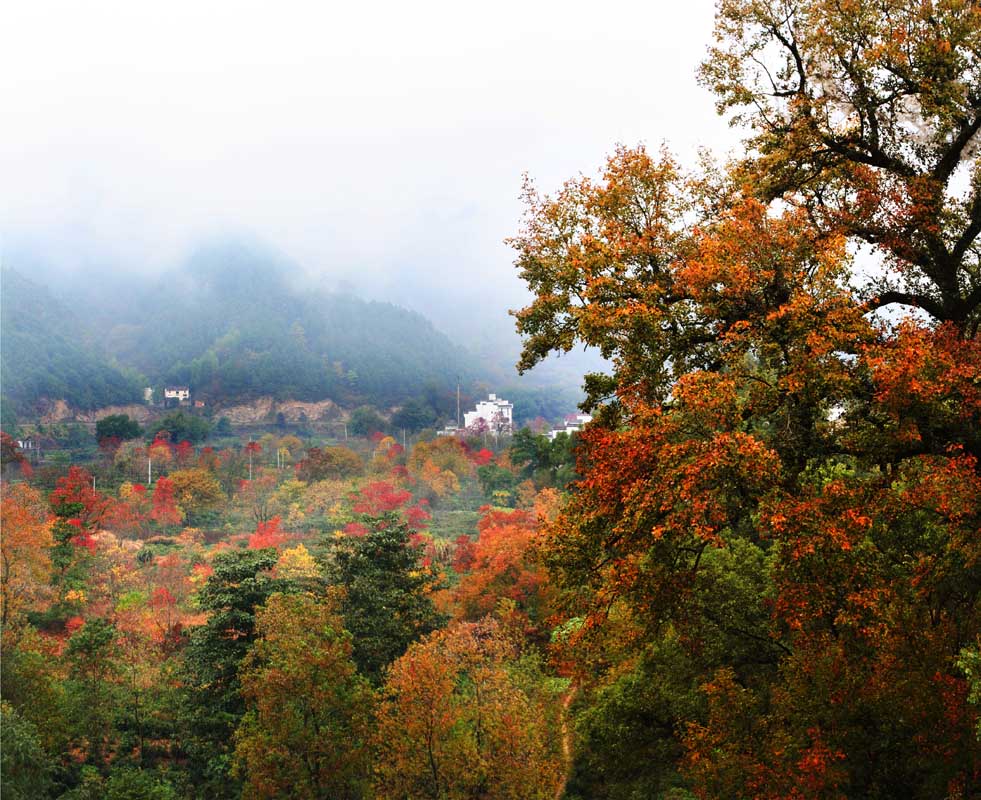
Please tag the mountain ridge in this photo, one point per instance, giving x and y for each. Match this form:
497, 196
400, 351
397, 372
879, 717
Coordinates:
228, 323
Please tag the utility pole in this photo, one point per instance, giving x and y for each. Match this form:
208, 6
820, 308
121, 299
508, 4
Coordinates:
457, 401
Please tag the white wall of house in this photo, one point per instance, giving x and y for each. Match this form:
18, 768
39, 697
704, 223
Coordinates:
489, 410
573, 424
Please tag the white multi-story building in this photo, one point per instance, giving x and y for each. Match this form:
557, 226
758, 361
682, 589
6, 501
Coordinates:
496, 413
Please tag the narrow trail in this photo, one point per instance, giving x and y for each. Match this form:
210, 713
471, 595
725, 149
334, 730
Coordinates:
566, 734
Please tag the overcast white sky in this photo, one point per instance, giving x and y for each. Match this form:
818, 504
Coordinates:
379, 142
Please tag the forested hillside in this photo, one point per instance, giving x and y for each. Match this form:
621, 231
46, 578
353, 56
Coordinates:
233, 325
46, 352
230, 324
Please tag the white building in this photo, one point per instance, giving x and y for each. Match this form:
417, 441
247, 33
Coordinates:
571, 424
179, 393
497, 414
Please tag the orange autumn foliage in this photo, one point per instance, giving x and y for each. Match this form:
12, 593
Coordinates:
455, 723
25, 566
267, 534
502, 565
777, 488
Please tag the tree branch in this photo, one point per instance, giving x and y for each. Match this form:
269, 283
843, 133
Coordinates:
928, 304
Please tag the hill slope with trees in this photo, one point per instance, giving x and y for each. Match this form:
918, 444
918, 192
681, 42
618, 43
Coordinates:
232, 324
47, 353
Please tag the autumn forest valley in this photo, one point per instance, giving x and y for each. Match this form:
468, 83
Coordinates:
259, 540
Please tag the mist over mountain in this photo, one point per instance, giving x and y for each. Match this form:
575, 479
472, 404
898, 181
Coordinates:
472, 312
478, 318
237, 320
48, 352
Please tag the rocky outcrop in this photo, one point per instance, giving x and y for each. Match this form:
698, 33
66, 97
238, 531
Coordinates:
265, 409
262, 410
140, 413
53, 411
